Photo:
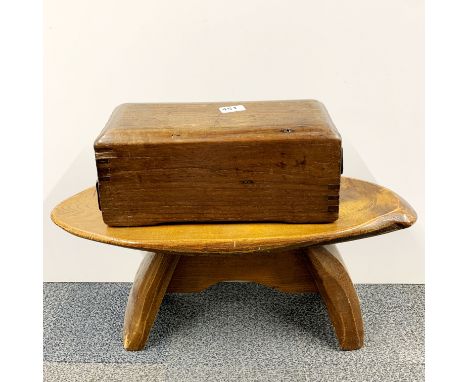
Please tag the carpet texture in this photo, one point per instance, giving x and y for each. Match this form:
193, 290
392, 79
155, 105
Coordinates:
231, 332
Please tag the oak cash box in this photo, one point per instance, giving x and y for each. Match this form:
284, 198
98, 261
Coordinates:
276, 161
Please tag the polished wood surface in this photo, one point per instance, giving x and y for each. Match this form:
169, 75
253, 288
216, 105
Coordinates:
287, 257
275, 161
155, 123
366, 209
337, 291
283, 271
145, 298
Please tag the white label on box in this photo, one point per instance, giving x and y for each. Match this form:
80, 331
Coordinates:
231, 109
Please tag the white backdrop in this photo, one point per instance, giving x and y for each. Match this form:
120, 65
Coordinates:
363, 59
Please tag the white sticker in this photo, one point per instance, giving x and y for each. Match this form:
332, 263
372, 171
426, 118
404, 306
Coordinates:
231, 109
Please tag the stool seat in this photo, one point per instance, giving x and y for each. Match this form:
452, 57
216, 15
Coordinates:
366, 209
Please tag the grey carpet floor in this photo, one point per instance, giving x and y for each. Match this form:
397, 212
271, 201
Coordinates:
231, 332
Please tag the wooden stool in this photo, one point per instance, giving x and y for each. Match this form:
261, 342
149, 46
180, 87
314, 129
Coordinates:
287, 257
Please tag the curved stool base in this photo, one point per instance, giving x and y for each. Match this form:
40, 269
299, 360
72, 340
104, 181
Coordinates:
337, 291
145, 298
307, 270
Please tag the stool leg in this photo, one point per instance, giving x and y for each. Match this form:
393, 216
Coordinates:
146, 295
337, 291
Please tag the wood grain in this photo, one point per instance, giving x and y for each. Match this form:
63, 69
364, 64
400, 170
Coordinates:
145, 298
149, 123
283, 271
366, 210
277, 161
337, 291
269, 254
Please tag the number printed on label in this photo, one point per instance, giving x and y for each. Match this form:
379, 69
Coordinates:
231, 109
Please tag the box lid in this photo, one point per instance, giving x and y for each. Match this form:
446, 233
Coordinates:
158, 123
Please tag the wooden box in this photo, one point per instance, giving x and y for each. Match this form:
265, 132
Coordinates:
277, 161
